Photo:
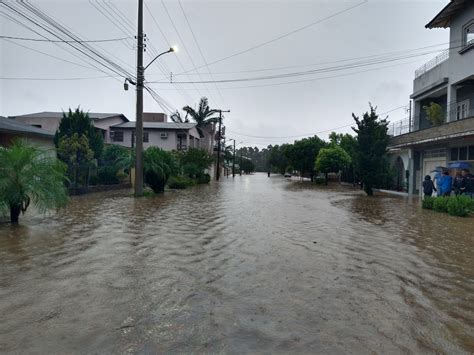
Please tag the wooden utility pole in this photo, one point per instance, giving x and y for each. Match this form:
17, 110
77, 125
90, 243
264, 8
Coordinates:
233, 162
139, 118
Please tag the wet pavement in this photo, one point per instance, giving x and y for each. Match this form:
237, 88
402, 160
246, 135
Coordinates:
254, 265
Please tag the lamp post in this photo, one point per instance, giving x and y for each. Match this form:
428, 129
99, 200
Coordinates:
139, 85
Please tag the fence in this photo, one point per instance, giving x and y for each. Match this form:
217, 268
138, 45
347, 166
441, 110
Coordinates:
442, 57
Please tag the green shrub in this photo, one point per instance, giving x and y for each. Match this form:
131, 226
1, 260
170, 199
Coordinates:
179, 182
203, 179
319, 180
461, 206
428, 202
159, 165
107, 175
440, 204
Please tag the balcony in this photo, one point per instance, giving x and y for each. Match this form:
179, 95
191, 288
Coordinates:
441, 58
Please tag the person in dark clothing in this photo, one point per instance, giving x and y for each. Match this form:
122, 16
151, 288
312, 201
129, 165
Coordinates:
467, 183
428, 186
458, 183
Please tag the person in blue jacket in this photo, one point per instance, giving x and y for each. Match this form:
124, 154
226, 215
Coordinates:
446, 184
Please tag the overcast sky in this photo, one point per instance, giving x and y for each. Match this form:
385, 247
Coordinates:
262, 108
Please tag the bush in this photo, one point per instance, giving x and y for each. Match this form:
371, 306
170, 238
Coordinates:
159, 166
107, 175
179, 182
440, 204
428, 202
203, 179
461, 206
319, 180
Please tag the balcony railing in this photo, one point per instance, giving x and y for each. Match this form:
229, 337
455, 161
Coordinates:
442, 57
398, 128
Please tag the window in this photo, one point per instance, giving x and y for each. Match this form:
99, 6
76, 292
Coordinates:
454, 153
471, 152
462, 110
118, 136
463, 153
145, 137
469, 34
435, 153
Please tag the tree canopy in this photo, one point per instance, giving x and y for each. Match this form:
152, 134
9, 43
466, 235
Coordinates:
372, 141
332, 160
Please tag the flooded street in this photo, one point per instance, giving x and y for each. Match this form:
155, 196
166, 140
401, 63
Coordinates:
251, 265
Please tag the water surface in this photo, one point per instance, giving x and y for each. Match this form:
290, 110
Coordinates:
246, 265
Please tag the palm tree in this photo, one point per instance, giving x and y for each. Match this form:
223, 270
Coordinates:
205, 118
28, 175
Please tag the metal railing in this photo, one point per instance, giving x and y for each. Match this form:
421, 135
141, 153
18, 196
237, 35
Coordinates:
399, 127
440, 58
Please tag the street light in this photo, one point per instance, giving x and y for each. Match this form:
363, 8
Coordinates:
139, 119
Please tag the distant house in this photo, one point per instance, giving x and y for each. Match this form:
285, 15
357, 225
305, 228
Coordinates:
419, 146
157, 132
11, 130
49, 121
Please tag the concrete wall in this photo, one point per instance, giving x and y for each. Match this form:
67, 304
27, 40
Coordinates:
155, 140
50, 124
431, 77
105, 125
44, 143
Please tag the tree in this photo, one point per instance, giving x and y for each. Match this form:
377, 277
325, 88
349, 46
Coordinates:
79, 122
302, 154
159, 165
372, 141
434, 113
349, 144
28, 175
75, 152
277, 159
193, 162
204, 118
332, 160
247, 166
115, 159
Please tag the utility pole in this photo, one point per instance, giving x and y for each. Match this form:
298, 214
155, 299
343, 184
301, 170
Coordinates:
139, 118
409, 118
219, 144
233, 162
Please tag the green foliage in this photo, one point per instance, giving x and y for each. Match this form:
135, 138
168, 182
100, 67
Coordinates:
440, 204
332, 160
114, 162
461, 206
203, 179
180, 182
79, 122
247, 166
159, 165
194, 161
372, 141
204, 116
428, 202
277, 159
434, 113
75, 152
28, 175
302, 154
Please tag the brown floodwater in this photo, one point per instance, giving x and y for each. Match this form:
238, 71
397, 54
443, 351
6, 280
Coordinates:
251, 265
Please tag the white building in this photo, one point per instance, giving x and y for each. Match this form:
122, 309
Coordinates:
448, 80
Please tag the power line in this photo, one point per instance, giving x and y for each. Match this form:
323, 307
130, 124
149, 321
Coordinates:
58, 79
281, 36
53, 41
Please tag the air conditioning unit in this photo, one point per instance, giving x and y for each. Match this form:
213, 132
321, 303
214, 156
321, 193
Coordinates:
164, 135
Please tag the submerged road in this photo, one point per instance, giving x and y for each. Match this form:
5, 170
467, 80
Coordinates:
246, 265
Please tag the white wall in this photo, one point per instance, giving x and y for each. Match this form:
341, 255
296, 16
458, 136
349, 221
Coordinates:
105, 124
155, 140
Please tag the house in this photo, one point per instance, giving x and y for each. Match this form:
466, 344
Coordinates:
10, 130
49, 121
447, 80
157, 132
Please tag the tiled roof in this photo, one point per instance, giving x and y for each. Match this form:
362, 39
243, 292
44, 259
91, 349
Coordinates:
10, 125
157, 125
93, 115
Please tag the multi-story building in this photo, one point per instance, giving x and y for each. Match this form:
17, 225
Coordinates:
419, 146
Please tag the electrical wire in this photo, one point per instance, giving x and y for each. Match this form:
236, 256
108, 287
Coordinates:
53, 41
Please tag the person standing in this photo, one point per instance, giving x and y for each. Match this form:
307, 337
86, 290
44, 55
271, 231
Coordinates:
446, 184
457, 184
467, 183
428, 186
439, 181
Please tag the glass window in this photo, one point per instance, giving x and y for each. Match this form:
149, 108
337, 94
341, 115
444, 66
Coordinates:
454, 153
118, 136
471, 152
463, 153
145, 137
470, 34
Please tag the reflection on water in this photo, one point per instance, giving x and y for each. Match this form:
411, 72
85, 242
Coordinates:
250, 265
